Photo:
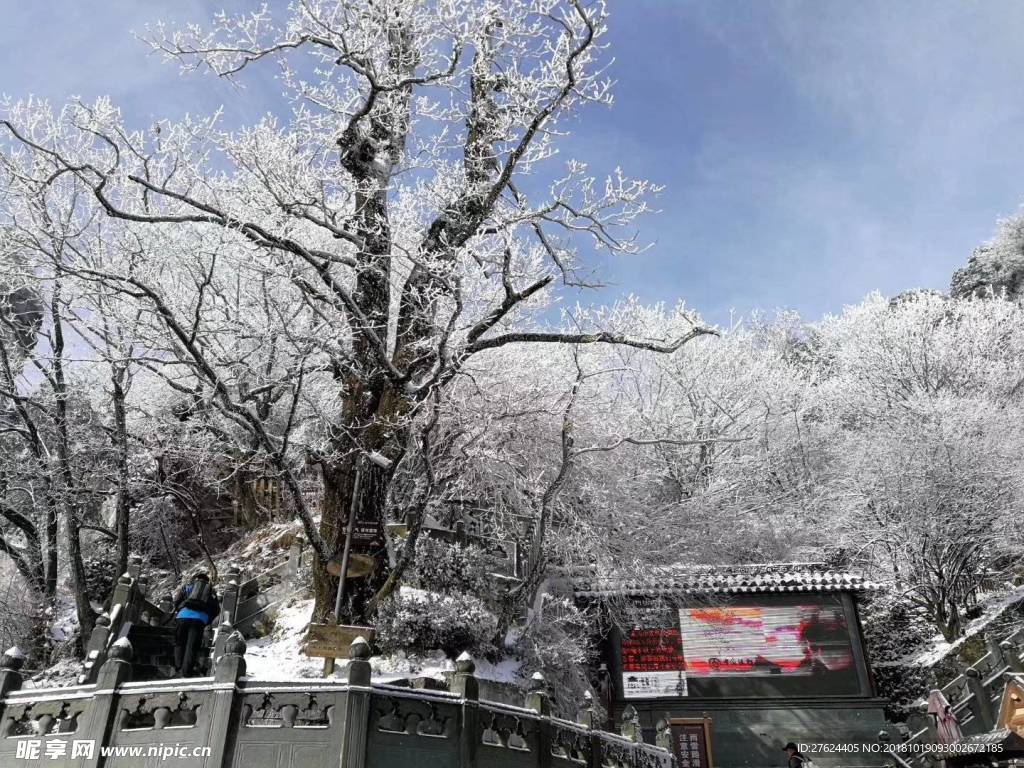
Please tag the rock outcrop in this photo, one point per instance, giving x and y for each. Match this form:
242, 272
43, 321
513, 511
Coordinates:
996, 267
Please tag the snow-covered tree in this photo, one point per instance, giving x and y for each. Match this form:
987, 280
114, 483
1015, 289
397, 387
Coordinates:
409, 214
926, 399
997, 267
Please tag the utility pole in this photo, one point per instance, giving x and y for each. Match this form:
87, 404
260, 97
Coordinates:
329, 662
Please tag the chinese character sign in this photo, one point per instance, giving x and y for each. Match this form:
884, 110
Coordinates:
691, 743
653, 664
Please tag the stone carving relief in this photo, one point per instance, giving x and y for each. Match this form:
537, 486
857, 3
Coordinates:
159, 710
41, 718
421, 718
285, 710
506, 731
571, 744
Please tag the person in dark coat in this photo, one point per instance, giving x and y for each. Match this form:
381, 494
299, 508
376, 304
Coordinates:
796, 760
195, 605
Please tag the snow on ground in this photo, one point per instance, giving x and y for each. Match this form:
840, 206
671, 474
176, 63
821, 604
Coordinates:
59, 675
258, 551
278, 656
65, 618
995, 606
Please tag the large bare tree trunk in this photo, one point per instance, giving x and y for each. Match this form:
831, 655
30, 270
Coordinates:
71, 506
371, 404
123, 505
52, 527
370, 506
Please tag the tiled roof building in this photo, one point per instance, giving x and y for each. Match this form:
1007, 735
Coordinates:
740, 659
709, 580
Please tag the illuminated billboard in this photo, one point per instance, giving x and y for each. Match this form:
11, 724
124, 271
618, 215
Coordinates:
789, 646
786, 640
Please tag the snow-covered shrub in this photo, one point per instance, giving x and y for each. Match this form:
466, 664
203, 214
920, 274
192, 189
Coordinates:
19, 610
450, 568
557, 643
893, 631
416, 620
99, 576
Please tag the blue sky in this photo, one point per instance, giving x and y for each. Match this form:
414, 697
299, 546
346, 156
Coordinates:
812, 151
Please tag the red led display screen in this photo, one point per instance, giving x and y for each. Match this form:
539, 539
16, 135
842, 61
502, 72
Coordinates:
653, 664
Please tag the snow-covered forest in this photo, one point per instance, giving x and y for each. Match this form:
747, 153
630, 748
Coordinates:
379, 304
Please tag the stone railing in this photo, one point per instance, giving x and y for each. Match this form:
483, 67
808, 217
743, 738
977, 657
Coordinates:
229, 720
243, 603
128, 604
974, 696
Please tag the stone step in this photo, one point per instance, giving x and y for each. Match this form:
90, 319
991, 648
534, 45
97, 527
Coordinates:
153, 652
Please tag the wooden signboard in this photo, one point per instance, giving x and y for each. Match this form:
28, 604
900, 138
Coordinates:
332, 641
691, 742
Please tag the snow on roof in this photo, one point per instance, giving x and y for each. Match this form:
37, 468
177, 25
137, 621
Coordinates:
756, 578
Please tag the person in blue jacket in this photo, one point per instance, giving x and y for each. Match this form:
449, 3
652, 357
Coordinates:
195, 605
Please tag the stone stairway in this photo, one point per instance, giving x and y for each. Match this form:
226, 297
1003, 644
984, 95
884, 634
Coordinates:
974, 696
150, 627
153, 652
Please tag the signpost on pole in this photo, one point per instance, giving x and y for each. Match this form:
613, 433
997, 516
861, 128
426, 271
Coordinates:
326, 641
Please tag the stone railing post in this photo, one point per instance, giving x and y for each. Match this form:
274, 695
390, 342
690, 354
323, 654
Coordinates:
220, 639
134, 566
885, 739
122, 592
464, 682
229, 595
539, 700
229, 668
465, 685
585, 711
630, 727
663, 734
96, 648
10, 674
1012, 656
101, 714
981, 703
357, 706
100, 635
994, 648
930, 722
295, 557
586, 717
